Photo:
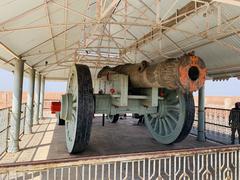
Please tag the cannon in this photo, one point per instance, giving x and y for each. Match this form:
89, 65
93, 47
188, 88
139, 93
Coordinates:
161, 92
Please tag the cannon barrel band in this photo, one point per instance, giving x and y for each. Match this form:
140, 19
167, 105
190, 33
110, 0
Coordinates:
192, 73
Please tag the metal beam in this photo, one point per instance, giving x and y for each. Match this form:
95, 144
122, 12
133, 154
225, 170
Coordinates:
72, 10
60, 60
15, 56
56, 79
50, 28
175, 18
22, 14
60, 25
65, 21
230, 2
108, 11
9, 50
49, 39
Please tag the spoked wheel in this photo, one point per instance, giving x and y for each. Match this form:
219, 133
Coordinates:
174, 119
78, 124
113, 118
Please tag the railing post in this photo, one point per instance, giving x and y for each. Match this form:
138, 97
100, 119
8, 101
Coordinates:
37, 99
8, 126
201, 115
24, 116
29, 106
13, 145
42, 96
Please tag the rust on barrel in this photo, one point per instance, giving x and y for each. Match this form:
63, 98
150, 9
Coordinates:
187, 73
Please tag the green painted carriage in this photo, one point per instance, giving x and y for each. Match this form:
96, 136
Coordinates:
165, 99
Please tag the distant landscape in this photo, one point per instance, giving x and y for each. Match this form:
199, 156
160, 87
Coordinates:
226, 102
6, 98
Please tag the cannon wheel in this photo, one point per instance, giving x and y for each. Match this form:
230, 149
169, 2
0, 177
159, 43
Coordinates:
78, 127
113, 118
174, 119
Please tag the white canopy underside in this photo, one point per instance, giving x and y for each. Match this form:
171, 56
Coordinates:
52, 35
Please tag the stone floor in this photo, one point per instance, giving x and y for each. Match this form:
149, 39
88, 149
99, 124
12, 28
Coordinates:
48, 141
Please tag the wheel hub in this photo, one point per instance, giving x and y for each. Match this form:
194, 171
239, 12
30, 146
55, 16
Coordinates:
161, 109
66, 110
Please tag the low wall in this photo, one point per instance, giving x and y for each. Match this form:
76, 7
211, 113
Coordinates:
225, 102
6, 97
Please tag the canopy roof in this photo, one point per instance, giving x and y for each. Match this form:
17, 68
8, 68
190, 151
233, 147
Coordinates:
51, 35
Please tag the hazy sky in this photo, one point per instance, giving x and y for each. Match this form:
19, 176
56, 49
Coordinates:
223, 88
6, 83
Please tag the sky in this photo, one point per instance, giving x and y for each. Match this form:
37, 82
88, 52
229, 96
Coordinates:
6, 83
212, 88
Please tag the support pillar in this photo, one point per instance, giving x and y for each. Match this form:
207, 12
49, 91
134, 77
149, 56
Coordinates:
201, 115
37, 100
30, 101
13, 145
42, 96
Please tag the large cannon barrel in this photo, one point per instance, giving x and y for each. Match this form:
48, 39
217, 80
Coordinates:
187, 73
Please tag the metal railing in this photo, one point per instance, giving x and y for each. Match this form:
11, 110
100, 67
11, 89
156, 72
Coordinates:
5, 115
4, 127
23, 118
211, 163
216, 124
202, 163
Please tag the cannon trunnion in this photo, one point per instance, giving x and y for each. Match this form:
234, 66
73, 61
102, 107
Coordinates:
161, 92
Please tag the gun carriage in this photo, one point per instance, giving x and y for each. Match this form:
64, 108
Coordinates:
161, 92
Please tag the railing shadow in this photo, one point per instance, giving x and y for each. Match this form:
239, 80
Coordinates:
215, 136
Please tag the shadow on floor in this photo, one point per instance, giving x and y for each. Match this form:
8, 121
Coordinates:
48, 141
120, 138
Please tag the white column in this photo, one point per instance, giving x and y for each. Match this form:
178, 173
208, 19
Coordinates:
30, 101
37, 99
13, 145
201, 115
42, 96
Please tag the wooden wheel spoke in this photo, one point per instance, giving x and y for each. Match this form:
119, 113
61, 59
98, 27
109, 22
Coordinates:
156, 126
74, 98
160, 126
169, 125
74, 105
164, 127
173, 107
156, 115
174, 121
153, 121
171, 117
73, 116
172, 99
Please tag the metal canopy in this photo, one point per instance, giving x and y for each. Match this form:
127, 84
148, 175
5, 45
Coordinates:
51, 35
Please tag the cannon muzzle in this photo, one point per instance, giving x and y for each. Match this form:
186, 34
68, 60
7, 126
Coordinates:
187, 73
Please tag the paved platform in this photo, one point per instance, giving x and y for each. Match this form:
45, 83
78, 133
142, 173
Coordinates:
48, 141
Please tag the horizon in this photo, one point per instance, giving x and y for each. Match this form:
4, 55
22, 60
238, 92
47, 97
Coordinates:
212, 88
